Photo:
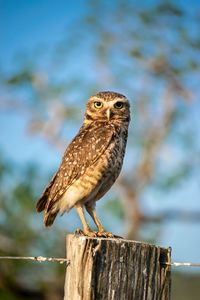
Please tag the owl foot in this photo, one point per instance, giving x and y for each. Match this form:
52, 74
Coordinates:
118, 236
88, 233
105, 234
101, 234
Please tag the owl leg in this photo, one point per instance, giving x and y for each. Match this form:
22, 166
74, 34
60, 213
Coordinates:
101, 231
86, 229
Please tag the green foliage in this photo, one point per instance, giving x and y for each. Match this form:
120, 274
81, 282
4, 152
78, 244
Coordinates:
23, 77
167, 8
185, 286
21, 236
175, 178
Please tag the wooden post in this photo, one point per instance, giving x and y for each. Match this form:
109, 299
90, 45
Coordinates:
116, 269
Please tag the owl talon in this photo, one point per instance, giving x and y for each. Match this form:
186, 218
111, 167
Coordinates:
91, 234
117, 237
79, 232
88, 233
105, 234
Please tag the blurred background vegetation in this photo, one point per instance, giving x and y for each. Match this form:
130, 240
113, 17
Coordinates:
147, 51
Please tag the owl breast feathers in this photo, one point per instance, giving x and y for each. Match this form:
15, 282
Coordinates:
93, 159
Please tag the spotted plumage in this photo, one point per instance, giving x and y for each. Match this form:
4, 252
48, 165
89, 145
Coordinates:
91, 162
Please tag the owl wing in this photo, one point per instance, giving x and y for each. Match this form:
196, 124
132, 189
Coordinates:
84, 150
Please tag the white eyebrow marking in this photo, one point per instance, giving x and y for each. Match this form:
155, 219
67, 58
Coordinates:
112, 102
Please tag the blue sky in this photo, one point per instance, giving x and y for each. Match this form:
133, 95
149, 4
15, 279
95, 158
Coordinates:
25, 26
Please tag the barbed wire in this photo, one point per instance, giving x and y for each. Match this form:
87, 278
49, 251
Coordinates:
65, 260
37, 258
182, 264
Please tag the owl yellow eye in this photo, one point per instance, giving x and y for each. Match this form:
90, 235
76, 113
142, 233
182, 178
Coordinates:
98, 104
118, 105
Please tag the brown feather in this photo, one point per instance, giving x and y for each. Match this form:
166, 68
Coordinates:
49, 218
68, 172
42, 202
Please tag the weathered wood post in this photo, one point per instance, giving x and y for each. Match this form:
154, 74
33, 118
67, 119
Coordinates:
116, 269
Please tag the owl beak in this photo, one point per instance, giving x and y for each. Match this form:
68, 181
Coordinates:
108, 114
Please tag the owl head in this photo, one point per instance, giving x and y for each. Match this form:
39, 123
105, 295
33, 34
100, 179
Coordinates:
107, 107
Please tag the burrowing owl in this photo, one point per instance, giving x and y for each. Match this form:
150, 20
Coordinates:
91, 162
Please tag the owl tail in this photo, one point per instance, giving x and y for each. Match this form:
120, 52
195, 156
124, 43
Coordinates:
42, 202
49, 218
40, 206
